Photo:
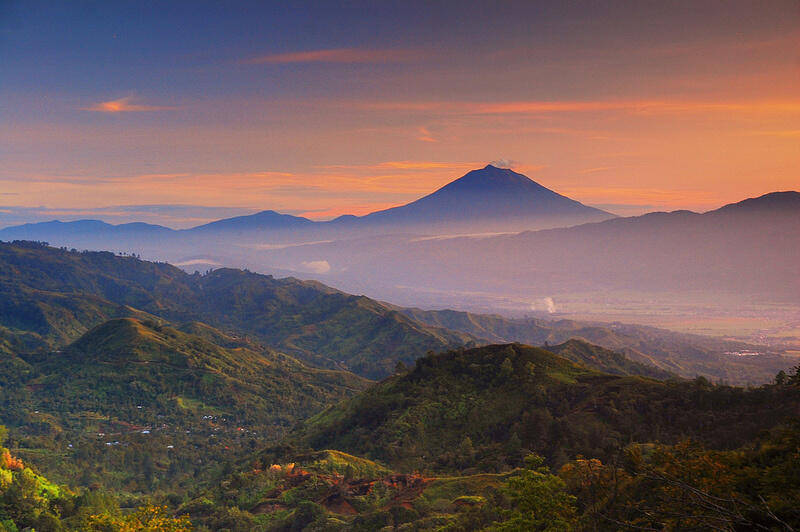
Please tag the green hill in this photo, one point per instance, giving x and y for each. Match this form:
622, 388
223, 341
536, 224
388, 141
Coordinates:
130, 362
481, 409
601, 359
131, 390
687, 355
49, 297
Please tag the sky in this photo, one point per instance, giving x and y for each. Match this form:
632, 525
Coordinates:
183, 112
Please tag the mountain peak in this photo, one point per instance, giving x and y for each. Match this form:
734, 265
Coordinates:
491, 179
492, 198
263, 220
772, 202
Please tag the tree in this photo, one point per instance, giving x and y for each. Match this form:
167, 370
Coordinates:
539, 501
795, 379
507, 368
146, 518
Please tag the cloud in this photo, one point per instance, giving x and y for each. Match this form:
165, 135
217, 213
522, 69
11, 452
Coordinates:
406, 165
124, 105
425, 135
335, 55
631, 201
270, 247
588, 106
197, 262
353, 209
595, 169
316, 266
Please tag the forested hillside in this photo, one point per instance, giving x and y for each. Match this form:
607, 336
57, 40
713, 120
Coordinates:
683, 354
459, 436
482, 409
139, 407
50, 296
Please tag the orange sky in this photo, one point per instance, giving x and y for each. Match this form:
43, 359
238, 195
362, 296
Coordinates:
610, 107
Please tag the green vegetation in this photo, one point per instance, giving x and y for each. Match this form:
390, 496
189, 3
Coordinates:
690, 487
148, 400
483, 409
686, 355
29, 501
601, 359
49, 297
142, 408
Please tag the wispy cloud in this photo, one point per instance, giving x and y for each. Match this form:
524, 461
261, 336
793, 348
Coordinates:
567, 106
425, 135
406, 165
595, 169
124, 105
356, 210
334, 55
661, 198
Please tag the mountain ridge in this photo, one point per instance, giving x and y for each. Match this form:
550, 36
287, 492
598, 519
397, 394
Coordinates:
479, 194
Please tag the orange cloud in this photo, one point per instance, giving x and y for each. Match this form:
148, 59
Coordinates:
595, 170
335, 188
337, 55
425, 135
656, 197
357, 210
407, 165
124, 105
636, 106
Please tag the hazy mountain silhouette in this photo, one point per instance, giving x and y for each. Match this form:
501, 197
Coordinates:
261, 221
749, 247
505, 199
484, 200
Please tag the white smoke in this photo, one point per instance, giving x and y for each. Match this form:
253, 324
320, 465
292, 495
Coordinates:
503, 163
546, 304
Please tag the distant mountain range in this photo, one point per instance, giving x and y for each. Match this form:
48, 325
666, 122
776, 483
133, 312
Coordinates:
465, 243
487, 199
